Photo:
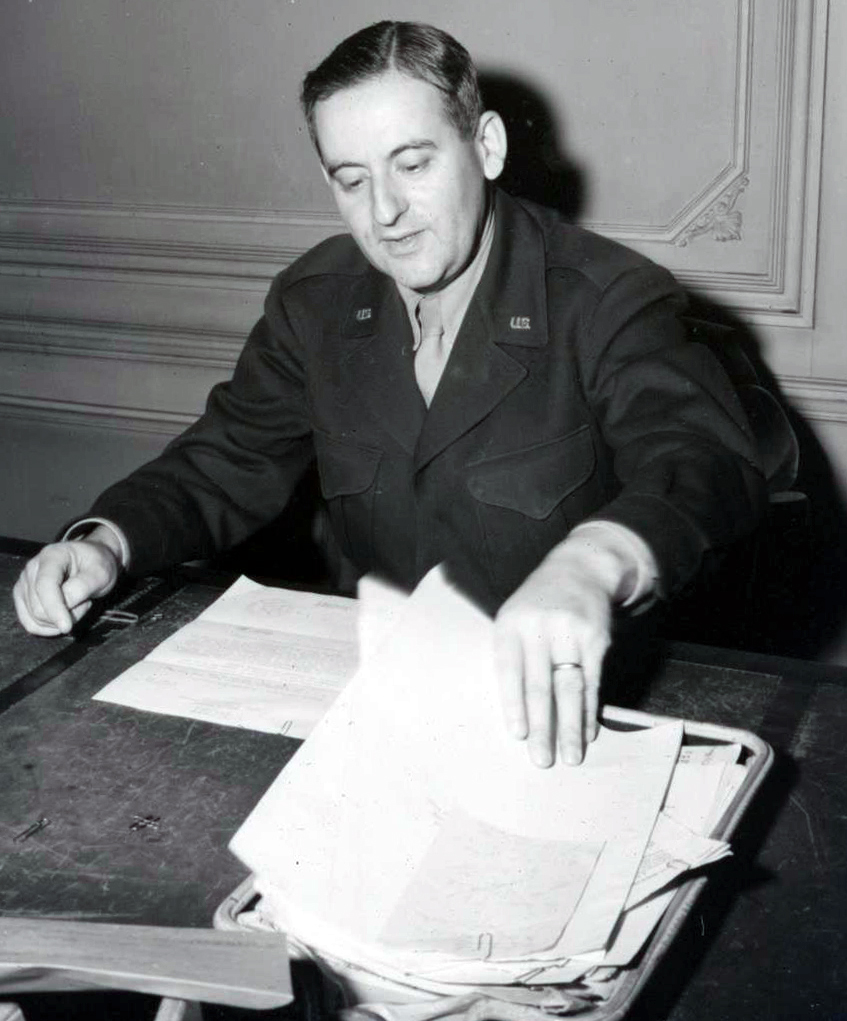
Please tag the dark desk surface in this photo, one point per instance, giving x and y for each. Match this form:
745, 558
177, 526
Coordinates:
766, 941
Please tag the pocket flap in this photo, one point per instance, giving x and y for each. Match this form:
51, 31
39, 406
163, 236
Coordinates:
344, 468
535, 480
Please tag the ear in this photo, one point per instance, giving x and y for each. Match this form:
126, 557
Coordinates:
491, 143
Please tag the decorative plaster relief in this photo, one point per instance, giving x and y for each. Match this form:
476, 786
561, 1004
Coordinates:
722, 220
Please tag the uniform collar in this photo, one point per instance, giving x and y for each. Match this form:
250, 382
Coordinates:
456, 296
511, 294
507, 311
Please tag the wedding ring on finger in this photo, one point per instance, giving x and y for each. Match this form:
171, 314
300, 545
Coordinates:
567, 675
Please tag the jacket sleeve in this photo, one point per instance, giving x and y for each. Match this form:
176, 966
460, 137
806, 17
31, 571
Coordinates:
683, 453
234, 469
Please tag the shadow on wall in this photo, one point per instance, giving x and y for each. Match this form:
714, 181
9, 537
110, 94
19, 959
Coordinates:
537, 167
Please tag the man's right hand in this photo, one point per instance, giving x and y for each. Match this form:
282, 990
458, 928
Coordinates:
57, 586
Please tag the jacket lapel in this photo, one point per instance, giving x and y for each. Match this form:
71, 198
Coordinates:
507, 310
378, 369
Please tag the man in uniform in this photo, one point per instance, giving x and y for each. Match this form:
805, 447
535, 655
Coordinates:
481, 383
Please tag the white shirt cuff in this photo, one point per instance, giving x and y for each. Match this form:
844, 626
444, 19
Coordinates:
609, 535
80, 529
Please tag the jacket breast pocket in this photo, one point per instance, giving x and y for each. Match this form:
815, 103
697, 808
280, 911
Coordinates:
522, 502
535, 480
347, 473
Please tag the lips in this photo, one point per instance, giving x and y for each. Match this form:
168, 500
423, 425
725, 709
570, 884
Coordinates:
404, 243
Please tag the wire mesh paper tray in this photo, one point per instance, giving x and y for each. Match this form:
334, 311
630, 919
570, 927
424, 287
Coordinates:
756, 756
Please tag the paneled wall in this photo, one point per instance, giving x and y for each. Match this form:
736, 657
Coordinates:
155, 173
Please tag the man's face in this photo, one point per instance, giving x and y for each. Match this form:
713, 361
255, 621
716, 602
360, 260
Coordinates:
409, 188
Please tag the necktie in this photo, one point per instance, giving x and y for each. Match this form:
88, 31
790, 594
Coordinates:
431, 351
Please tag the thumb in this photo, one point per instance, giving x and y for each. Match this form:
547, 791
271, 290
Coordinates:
77, 590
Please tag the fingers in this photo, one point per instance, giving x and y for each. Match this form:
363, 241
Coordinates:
38, 596
78, 612
576, 685
592, 665
549, 669
31, 614
78, 590
568, 681
540, 704
510, 677
55, 588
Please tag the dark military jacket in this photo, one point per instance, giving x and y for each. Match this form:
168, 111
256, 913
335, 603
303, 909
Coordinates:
572, 392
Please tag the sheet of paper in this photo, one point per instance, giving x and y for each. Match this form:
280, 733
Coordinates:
693, 792
731, 782
633, 931
253, 605
704, 782
241, 969
709, 754
259, 652
379, 606
570, 970
418, 733
455, 905
273, 707
672, 851
695, 787
261, 658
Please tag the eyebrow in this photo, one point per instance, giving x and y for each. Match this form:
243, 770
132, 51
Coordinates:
416, 144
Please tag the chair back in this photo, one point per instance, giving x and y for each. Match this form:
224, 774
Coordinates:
779, 450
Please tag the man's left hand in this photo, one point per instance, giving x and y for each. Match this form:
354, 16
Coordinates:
550, 639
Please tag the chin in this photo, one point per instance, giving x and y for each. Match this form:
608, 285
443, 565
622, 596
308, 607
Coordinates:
412, 280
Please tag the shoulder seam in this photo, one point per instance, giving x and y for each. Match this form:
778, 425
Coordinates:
351, 263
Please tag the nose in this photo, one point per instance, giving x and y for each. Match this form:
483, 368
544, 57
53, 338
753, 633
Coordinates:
388, 201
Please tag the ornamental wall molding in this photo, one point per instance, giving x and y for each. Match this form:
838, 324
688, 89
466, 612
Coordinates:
188, 245
171, 283
726, 181
722, 221
76, 414
202, 349
771, 171
819, 400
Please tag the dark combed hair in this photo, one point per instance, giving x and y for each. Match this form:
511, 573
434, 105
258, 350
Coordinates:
417, 50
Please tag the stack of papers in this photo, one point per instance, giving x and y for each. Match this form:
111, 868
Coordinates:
411, 837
